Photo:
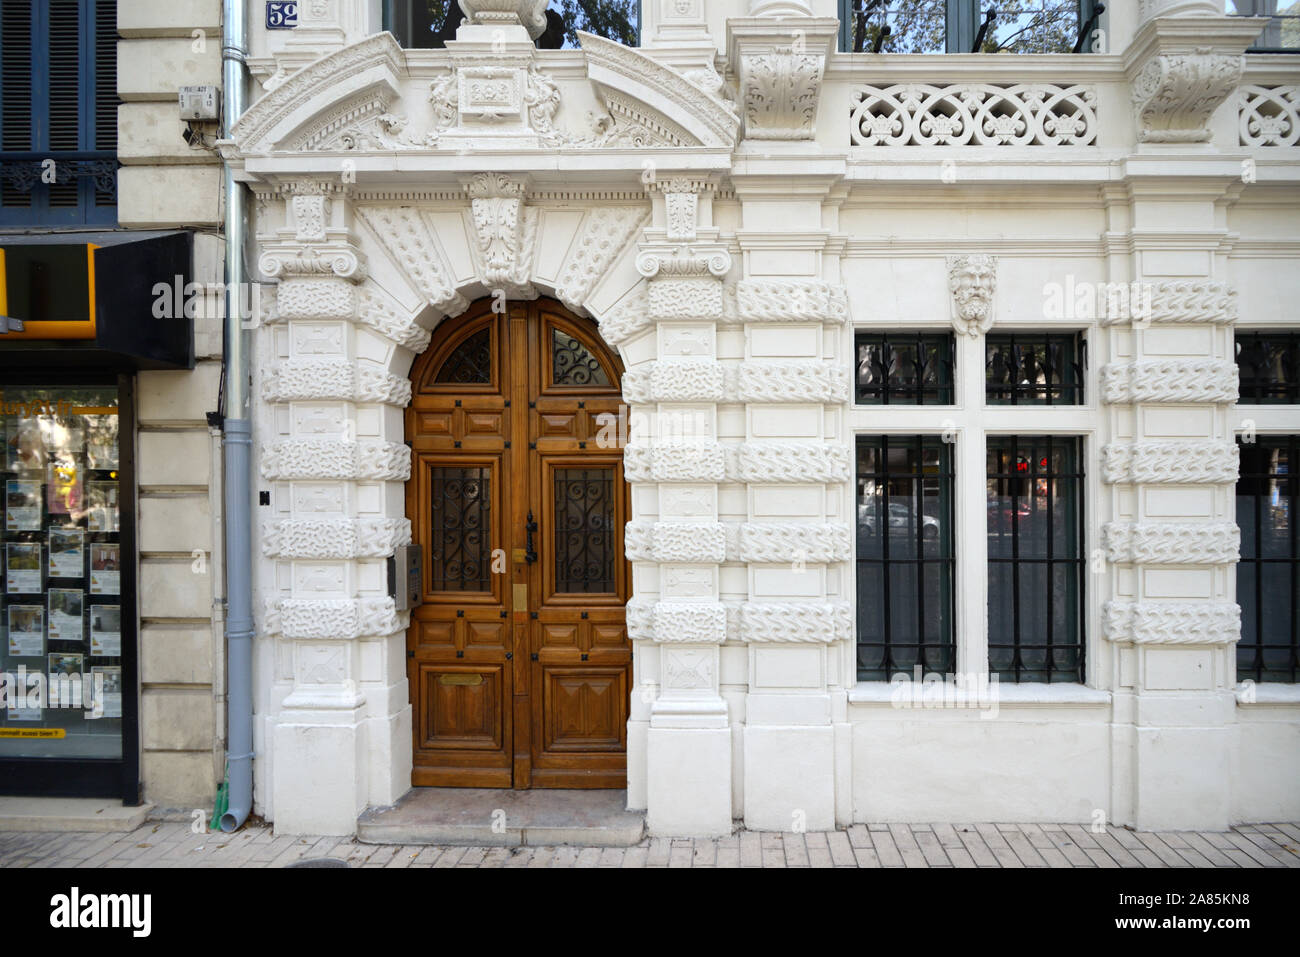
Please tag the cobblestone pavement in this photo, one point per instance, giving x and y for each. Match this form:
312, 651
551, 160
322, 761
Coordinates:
172, 844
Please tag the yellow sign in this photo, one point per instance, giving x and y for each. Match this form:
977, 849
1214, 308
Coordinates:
33, 733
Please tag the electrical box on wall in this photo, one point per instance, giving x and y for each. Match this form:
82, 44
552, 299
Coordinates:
199, 102
405, 577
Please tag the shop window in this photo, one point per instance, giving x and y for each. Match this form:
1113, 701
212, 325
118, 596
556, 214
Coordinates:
1268, 574
966, 26
1033, 369
58, 113
1035, 556
1268, 365
67, 608
905, 555
904, 368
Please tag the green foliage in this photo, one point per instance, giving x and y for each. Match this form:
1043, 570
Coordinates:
611, 19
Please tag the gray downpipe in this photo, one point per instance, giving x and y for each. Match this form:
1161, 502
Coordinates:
238, 446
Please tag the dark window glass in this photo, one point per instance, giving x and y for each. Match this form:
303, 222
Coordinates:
905, 556
1268, 575
954, 26
1283, 29
461, 529
470, 363
1033, 369
1269, 367
584, 530
572, 363
904, 368
426, 24
1035, 553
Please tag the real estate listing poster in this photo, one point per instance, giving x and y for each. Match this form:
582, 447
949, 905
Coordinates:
67, 556
23, 568
101, 500
66, 615
106, 692
23, 506
106, 630
104, 569
26, 631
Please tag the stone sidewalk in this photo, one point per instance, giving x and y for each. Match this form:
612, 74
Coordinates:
172, 844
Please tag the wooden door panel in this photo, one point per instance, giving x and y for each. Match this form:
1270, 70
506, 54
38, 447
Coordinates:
520, 670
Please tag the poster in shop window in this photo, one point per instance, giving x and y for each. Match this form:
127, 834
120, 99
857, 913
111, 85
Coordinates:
67, 552
101, 500
105, 569
26, 631
22, 506
23, 568
106, 630
106, 692
66, 615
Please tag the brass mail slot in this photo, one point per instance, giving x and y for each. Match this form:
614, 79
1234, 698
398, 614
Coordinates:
468, 680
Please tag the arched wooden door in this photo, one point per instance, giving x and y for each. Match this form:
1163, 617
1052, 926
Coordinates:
518, 658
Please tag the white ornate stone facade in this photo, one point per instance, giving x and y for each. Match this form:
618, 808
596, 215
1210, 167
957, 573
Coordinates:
729, 238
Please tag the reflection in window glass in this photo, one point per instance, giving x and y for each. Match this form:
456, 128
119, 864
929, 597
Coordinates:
1268, 589
1035, 554
1283, 29
905, 556
1032, 26
904, 368
60, 612
1269, 367
915, 26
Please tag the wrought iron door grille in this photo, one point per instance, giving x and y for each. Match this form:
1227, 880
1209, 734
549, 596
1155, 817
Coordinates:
572, 363
470, 363
584, 530
1035, 555
1269, 367
904, 368
461, 528
905, 555
1033, 369
1268, 575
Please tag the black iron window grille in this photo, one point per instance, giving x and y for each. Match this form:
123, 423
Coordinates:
1268, 574
1268, 364
461, 529
1034, 369
905, 555
584, 530
1036, 560
904, 368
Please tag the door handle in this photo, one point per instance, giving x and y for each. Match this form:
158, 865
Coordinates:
530, 554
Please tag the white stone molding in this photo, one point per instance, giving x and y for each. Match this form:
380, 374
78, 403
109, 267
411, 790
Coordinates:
787, 542
294, 260
797, 622
690, 669
1170, 380
685, 298
682, 380
1185, 301
334, 619
1175, 94
412, 244
689, 542
692, 260
377, 310
780, 89
973, 114
791, 300
696, 462
313, 299
313, 377
531, 14
627, 319
972, 281
1150, 9
689, 622
1159, 543
1268, 115
505, 231
334, 538
1170, 463
791, 462
790, 382
299, 459
605, 233
1171, 623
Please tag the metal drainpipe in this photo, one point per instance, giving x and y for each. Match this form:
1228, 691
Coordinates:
238, 446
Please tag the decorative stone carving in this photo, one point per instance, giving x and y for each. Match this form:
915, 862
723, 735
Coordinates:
689, 669
337, 259
298, 459
627, 319
1171, 623
531, 14
972, 281
378, 311
506, 232
973, 114
790, 462
791, 382
690, 298
690, 622
691, 260
688, 380
1158, 543
788, 542
696, 462
304, 378
791, 300
1268, 115
605, 232
780, 89
1170, 380
688, 542
1185, 300
1175, 94
313, 299
1150, 9
797, 622
339, 538
411, 243
333, 618
1170, 463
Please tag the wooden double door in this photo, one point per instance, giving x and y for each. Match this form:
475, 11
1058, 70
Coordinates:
518, 657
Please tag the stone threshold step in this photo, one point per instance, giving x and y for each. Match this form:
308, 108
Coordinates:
491, 817
69, 814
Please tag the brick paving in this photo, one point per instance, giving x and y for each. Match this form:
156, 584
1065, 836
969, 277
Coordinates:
173, 844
